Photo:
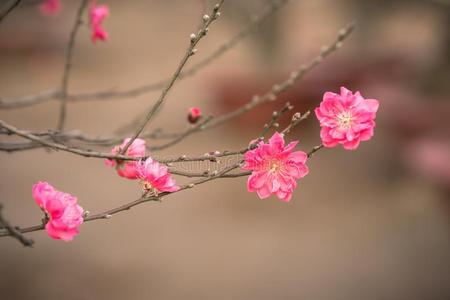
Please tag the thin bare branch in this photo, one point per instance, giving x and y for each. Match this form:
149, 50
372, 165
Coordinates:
95, 154
62, 147
14, 232
9, 9
207, 174
68, 64
314, 150
276, 115
296, 119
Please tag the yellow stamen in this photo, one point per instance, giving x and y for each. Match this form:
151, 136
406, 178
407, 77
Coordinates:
345, 119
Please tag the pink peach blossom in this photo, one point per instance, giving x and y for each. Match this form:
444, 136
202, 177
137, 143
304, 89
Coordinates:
194, 115
63, 212
50, 7
346, 119
97, 15
155, 177
127, 169
276, 168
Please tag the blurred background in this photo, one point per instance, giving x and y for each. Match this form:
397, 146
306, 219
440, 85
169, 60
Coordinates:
366, 224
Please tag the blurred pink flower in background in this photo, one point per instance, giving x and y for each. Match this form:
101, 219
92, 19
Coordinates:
430, 158
346, 119
194, 115
64, 214
97, 14
275, 167
50, 7
127, 169
155, 177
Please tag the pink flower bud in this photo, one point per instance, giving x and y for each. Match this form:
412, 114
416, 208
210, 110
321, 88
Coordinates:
97, 14
194, 115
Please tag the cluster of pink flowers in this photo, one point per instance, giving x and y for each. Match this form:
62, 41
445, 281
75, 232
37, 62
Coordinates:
345, 119
97, 14
155, 177
63, 212
64, 215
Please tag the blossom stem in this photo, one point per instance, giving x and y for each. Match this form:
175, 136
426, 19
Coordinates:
9, 9
314, 150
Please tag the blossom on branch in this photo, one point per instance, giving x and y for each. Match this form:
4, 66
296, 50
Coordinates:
97, 14
50, 7
127, 169
276, 168
155, 177
63, 213
194, 115
346, 119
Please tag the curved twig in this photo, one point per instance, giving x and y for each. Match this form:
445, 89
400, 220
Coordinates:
9, 9
68, 64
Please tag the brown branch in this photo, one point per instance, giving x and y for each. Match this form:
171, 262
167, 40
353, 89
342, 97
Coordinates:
296, 119
39, 139
314, 150
9, 9
78, 136
62, 147
107, 214
14, 232
31, 99
277, 89
96, 154
68, 64
208, 174
276, 115
195, 39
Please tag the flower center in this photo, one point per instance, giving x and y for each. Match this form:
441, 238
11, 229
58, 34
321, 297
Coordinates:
147, 188
345, 119
275, 166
